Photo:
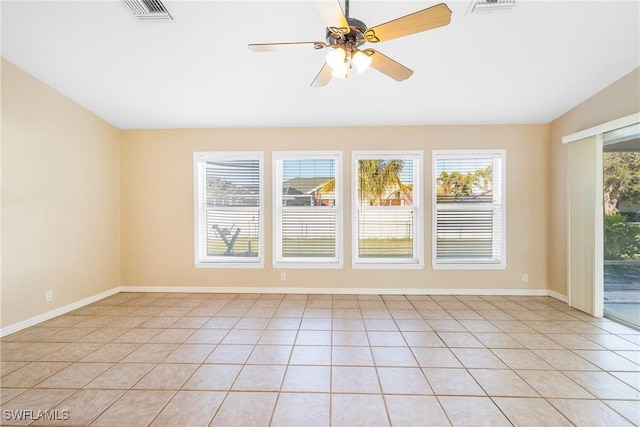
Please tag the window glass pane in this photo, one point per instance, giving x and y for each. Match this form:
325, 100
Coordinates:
387, 209
308, 233
465, 180
306, 211
385, 234
465, 234
385, 182
232, 207
468, 216
308, 182
233, 183
232, 232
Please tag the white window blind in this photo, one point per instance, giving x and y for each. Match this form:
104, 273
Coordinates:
585, 258
307, 209
469, 208
387, 209
228, 211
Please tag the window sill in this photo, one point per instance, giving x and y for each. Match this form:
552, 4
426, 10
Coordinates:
386, 266
229, 264
465, 266
308, 265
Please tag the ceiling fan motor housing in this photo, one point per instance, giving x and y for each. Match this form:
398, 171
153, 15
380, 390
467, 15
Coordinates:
338, 37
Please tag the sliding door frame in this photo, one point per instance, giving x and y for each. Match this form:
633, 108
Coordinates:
585, 216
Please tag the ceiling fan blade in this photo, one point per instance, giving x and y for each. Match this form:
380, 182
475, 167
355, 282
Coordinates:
423, 20
388, 66
272, 47
323, 76
333, 15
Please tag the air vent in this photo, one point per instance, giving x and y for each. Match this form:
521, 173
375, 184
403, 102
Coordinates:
487, 6
148, 9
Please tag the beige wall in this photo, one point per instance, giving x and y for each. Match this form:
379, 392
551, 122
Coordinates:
75, 190
157, 204
60, 199
618, 100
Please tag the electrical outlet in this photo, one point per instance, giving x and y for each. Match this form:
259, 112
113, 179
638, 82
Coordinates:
48, 296
283, 277
525, 278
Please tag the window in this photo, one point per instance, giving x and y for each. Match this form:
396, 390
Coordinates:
228, 209
469, 209
307, 209
387, 217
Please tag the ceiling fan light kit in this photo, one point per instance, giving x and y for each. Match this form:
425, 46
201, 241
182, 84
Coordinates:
361, 60
346, 35
342, 62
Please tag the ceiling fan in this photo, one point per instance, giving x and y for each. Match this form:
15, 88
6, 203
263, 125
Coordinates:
346, 35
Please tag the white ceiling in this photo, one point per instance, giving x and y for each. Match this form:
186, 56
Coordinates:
529, 65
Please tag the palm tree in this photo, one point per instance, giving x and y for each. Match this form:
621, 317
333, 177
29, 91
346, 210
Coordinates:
485, 177
444, 184
457, 184
378, 181
327, 187
461, 184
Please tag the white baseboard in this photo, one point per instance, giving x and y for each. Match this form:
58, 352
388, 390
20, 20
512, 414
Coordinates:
32, 321
558, 296
338, 291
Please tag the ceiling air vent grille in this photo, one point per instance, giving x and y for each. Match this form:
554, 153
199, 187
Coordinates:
485, 6
148, 9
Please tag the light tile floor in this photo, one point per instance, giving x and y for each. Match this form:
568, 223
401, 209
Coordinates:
138, 359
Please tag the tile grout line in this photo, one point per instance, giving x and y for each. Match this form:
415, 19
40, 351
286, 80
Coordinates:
331, 345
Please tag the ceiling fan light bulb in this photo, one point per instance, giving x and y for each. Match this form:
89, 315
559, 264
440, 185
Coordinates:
336, 57
361, 61
340, 73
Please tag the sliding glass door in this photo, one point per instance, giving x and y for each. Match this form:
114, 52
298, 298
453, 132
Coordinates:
621, 180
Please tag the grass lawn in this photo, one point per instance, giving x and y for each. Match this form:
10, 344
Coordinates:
375, 248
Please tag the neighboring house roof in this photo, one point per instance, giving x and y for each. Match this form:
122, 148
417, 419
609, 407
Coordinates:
288, 190
306, 185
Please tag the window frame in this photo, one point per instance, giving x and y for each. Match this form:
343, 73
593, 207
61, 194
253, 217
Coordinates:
279, 261
202, 260
465, 263
417, 261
